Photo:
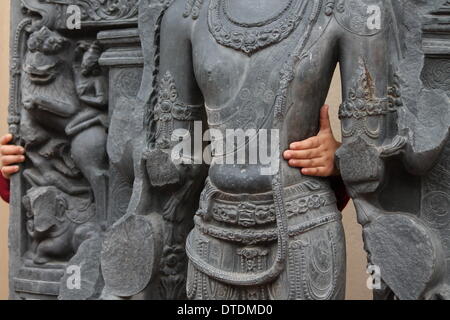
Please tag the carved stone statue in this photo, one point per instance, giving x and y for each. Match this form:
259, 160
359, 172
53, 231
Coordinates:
165, 195
63, 101
107, 191
253, 69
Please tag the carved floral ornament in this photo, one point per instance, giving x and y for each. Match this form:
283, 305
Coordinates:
362, 100
100, 10
251, 37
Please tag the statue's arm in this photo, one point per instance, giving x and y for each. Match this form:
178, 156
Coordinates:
100, 99
178, 102
176, 54
367, 114
61, 108
382, 59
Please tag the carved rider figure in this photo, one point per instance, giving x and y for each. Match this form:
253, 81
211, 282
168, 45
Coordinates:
71, 103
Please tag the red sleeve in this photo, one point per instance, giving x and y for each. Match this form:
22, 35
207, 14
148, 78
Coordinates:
339, 189
4, 188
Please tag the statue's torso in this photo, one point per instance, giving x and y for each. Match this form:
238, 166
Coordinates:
241, 80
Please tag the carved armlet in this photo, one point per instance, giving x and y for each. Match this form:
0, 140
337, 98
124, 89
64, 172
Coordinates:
363, 115
168, 111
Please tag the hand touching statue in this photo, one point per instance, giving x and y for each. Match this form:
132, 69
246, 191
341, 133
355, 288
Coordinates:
315, 156
10, 156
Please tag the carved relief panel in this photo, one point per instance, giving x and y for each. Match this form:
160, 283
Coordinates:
59, 111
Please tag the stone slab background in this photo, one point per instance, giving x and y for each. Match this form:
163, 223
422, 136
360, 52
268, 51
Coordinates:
356, 261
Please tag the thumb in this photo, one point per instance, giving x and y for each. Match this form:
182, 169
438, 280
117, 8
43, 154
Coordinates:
325, 118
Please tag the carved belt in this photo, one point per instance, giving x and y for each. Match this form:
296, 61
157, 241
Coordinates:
259, 209
248, 214
253, 237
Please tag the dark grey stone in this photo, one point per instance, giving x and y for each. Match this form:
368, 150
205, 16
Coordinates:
97, 109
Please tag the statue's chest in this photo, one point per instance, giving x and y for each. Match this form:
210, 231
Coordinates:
239, 90
241, 66
250, 27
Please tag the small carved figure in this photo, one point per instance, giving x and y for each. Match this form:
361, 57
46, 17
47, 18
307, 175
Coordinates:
57, 223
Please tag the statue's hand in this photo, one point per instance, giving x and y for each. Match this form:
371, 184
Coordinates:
396, 147
28, 104
39, 100
315, 156
32, 103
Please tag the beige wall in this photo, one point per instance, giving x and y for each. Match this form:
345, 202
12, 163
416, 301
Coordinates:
356, 277
4, 73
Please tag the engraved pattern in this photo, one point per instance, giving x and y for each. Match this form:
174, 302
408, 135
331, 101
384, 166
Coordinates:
250, 38
362, 101
296, 255
319, 268
108, 9
129, 246
287, 72
193, 8
362, 104
253, 260
101, 10
353, 16
435, 74
197, 281
247, 214
173, 268
168, 109
435, 207
250, 237
127, 83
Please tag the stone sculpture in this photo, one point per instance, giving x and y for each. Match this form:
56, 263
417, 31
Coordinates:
100, 111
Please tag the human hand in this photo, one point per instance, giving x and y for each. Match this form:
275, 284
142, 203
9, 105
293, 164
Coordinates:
10, 156
315, 156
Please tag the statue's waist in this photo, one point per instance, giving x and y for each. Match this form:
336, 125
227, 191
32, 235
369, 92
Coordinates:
251, 218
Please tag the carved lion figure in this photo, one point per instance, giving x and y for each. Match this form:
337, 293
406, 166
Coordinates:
60, 102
